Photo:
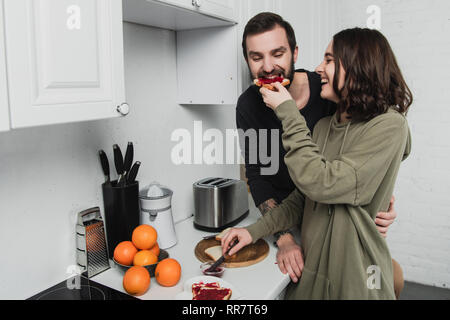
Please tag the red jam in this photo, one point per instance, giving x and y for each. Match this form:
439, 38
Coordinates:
269, 81
216, 273
209, 291
212, 294
197, 287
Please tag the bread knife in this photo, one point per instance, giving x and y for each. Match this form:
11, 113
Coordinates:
222, 258
210, 237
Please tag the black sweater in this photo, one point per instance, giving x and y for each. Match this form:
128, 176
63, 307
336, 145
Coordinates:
252, 113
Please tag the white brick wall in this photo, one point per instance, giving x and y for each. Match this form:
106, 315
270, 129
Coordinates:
418, 31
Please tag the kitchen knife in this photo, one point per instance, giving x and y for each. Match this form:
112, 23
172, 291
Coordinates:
128, 158
128, 161
105, 165
118, 161
210, 237
222, 258
133, 172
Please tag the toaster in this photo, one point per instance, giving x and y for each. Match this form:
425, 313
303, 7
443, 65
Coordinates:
219, 203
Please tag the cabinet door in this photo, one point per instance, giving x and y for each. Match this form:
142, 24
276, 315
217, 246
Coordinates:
225, 9
189, 4
4, 108
207, 66
64, 59
220, 8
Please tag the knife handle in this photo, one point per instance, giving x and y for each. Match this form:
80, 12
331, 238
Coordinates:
133, 172
105, 164
128, 158
118, 159
235, 242
222, 258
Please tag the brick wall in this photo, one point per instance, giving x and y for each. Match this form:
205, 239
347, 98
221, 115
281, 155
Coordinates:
418, 32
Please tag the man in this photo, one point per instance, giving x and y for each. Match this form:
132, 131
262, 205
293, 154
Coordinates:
270, 50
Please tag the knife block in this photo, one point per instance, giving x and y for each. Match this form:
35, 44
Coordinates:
122, 212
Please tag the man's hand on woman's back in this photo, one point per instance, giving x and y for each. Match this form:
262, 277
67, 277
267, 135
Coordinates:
385, 219
290, 257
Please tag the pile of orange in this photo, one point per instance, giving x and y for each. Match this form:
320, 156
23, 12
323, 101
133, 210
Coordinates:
143, 250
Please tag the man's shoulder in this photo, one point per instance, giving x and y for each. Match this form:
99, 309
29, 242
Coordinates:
248, 96
248, 101
312, 74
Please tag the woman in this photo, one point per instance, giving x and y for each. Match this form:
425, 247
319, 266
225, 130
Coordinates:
344, 174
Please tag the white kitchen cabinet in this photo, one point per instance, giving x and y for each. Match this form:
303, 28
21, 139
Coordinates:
207, 66
207, 40
181, 14
220, 8
4, 107
181, 3
224, 9
64, 60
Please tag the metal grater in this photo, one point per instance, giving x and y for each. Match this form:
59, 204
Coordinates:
92, 252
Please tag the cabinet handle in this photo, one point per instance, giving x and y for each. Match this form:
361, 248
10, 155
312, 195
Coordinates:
123, 109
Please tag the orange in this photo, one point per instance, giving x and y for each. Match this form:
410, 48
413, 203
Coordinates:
136, 280
145, 258
168, 272
124, 253
144, 237
155, 249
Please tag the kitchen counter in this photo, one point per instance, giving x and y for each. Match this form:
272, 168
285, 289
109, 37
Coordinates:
261, 281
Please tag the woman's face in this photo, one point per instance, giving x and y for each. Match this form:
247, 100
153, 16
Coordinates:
326, 71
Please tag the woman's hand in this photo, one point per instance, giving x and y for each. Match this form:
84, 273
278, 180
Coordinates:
241, 234
273, 99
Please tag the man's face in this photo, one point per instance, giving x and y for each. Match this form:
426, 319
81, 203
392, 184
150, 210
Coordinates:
269, 55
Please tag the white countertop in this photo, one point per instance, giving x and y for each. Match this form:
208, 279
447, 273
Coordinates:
261, 281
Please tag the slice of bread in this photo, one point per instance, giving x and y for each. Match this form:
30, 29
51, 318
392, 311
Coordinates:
196, 287
214, 252
222, 234
269, 86
210, 291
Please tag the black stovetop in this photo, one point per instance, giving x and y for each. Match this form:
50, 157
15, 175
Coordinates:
80, 288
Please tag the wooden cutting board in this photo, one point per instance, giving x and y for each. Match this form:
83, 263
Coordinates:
247, 256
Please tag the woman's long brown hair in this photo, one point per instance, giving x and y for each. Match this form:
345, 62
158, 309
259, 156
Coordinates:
373, 80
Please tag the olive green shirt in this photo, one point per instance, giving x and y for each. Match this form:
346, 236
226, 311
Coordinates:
344, 175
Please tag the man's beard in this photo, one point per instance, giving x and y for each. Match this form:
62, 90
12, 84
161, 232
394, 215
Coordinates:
276, 72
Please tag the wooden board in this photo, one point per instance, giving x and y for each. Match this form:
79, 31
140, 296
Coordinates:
247, 256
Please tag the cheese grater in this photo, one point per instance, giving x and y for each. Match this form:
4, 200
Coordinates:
92, 252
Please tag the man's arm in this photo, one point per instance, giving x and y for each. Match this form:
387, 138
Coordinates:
267, 205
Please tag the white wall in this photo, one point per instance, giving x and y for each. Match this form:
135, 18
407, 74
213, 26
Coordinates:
314, 24
418, 32
48, 174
